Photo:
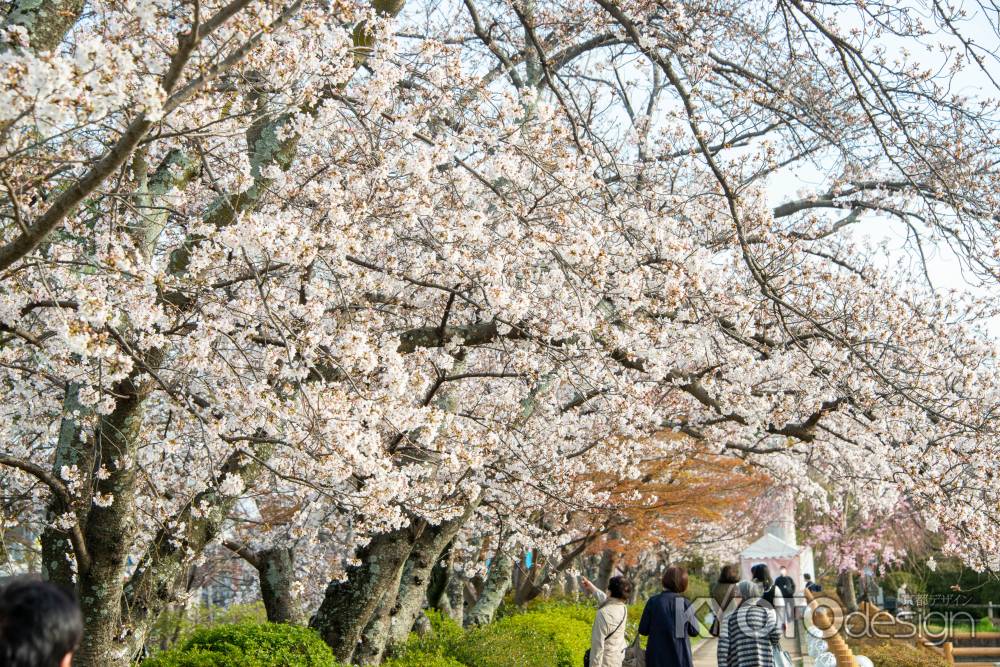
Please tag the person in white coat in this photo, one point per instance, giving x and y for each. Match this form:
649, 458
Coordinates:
607, 638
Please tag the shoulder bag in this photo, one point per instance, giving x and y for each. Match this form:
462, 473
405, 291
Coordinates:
586, 655
780, 657
635, 656
716, 628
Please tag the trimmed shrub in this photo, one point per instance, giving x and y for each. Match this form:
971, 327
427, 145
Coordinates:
584, 611
497, 645
550, 635
444, 630
419, 659
899, 654
175, 625
434, 649
570, 634
248, 645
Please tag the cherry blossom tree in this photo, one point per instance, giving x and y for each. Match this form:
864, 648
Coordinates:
409, 275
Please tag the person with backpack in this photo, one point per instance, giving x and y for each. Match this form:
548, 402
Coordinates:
40, 624
607, 638
668, 620
811, 585
786, 586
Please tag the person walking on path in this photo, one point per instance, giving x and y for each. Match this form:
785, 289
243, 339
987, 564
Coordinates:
669, 621
811, 585
726, 608
607, 638
753, 630
786, 585
729, 576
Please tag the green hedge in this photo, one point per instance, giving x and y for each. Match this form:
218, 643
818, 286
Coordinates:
434, 649
547, 634
585, 612
248, 645
570, 635
175, 625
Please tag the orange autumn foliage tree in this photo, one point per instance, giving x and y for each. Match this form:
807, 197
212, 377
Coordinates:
677, 503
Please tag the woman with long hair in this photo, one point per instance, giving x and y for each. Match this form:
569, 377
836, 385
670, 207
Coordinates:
761, 574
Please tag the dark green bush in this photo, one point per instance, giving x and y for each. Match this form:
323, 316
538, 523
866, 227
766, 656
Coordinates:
975, 588
892, 581
248, 645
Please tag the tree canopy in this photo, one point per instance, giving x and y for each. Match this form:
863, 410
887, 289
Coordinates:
385, 267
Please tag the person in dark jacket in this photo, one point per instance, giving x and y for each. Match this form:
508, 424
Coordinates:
811, 585
669, 621
786, 585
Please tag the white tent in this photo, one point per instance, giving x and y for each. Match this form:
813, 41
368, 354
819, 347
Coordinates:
777, 553
777, 548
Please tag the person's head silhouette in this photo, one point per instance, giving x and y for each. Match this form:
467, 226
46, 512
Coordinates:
40, 624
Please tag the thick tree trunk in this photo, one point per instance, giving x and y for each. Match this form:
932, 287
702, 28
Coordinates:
46, 21
348, 606
425, 556
391, 624
497, 584
276, 571
606, 569
845, 589
455, 597
111, 528
376, 634
437, 587
275, 576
